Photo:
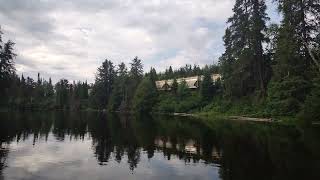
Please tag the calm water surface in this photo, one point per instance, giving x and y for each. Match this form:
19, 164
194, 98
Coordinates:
103, 146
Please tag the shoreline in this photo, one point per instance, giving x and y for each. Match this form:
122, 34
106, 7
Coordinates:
239, 118
233, 118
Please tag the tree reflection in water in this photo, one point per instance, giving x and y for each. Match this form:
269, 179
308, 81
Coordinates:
240, 150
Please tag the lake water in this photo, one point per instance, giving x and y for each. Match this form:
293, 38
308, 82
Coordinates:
90, 146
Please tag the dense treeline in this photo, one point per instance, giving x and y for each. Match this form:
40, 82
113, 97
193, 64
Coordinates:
267, 70
26, 93
187, 71
118, 89
275, 68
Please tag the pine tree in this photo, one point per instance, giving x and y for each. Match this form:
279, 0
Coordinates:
174, 86
145, 96
102, 88
226, 62
50, 90
170, 72
206, 87
39, 89
135, 75
243, 63
62, 94
118, 99
291, 81
136, 71
310, 111
183, 90
153, 75
7, 69
272, 34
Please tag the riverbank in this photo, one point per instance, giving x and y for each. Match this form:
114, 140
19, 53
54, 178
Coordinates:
281, 120
233, 118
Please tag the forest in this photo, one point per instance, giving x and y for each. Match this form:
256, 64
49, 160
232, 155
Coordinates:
268, 70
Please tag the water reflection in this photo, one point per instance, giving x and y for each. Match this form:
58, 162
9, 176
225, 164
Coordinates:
95, 145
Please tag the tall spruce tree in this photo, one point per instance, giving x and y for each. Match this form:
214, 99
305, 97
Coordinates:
136, 71
145, 96
7, 69
244, 63
174, 86
291, 81
102, 88
135, 76
206, 87
49, 89
153, 75
118, 99
183, 90
62, 94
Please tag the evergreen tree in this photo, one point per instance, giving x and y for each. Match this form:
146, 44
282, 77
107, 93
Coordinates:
136, 71
118, 99
175, 85
153, 75
62, 94
145, 96
49, 89
102, 88
257, 38
244, 63
7, 69
206, 87
135, 76
183, 90
291, 81
196, 70
170, 73
39, 89
84, 90
272, 34
310, 111
226, 62
30, 86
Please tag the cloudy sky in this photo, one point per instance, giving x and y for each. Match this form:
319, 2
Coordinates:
70, 38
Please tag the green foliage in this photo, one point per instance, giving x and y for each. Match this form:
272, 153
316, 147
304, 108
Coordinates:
62, 99
135, 77
119, 96
170, 103
287, 96
272, 34
206, 87
187, 71
311, 108
136, 72
183, 90
167, 103
27, 94
291, 84
145, 96
153, 75
174, 86
7, 69
240, 107
188, 104
102, 88
244, 65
